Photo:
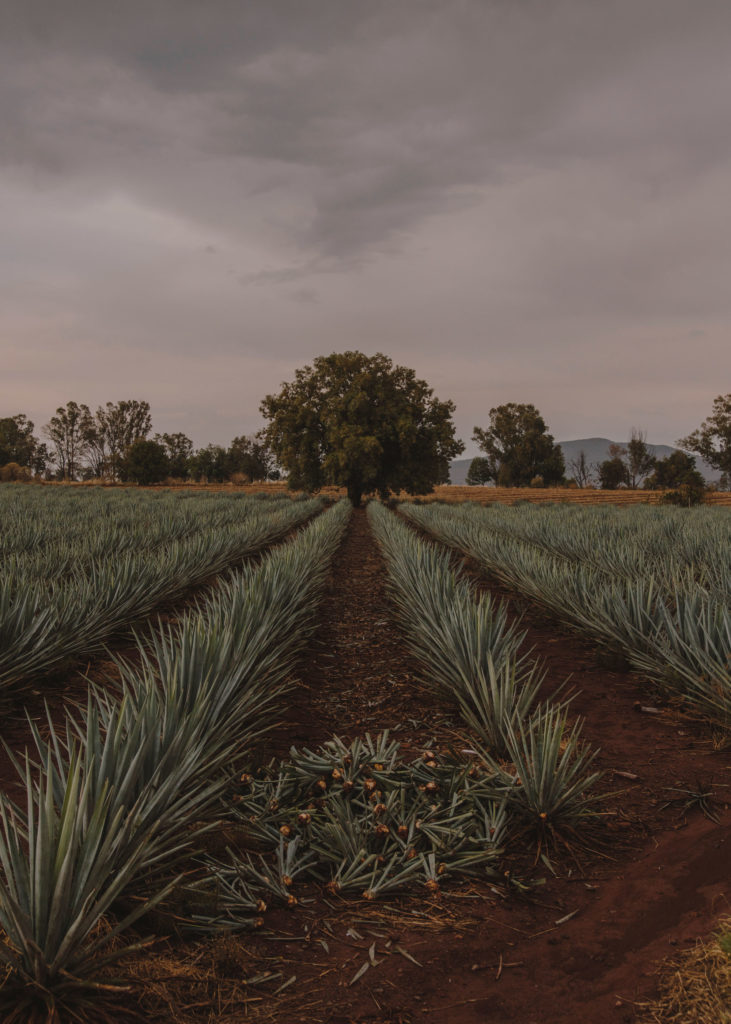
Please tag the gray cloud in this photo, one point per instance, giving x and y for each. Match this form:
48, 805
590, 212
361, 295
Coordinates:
531, 193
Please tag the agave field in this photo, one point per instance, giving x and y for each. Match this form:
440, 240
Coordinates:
656, 586
78, 566
277, 760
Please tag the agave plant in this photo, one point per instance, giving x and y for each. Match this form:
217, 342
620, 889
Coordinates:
468, 649
63, 868
550, 784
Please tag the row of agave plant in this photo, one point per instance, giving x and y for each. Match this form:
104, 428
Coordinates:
470, 656
51, 532
635, 541
118, 801
42, 623
609, 576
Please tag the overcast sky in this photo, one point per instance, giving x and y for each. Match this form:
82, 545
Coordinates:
523, 200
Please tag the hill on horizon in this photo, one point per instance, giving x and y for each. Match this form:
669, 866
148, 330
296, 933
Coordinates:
596, 450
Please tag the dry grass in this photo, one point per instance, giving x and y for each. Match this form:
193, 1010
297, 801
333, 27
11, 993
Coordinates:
270, 976
450, 493
696, 988
571, 495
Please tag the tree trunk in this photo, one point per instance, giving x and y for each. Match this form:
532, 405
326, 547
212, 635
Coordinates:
355, 494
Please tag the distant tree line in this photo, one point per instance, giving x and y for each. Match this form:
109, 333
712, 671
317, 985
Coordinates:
633, 465
114, 444
357, 422
519, 452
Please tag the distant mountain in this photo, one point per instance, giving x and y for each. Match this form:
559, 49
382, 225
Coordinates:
596, 449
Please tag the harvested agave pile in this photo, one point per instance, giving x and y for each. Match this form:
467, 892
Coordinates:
359, 820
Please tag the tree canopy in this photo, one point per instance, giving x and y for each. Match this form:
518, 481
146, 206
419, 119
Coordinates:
676, 469
479, 472
518, 447
69, 431
628, 465
613, 472
360, 422
19, 445
712, 440
144, 462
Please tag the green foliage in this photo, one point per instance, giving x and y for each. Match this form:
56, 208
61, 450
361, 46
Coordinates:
479, 472
360, 422
135, 780
551, 771
80, 565
518, 447
674, 470
628, 465
145, 462
111, 432
467, 648
712, 440
686, 494
209, 464
65, 860
678, 473
650, 582
19, 445
639, 460
250, 456
178, 449
363, 821
613, 474
69, 431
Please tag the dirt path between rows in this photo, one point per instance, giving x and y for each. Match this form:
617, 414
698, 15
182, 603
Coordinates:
486, 954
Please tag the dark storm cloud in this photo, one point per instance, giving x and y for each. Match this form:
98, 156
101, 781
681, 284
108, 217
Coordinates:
515, 183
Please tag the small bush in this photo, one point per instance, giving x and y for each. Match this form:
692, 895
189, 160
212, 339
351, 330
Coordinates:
12, 471
687, 494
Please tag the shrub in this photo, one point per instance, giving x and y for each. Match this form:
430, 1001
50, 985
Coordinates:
12, 471
687, 494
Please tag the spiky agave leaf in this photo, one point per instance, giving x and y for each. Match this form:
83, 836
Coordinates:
552, 779
62, 868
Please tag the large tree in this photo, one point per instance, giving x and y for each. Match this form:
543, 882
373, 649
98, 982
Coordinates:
179, 449
639, 460
712, 440
114, 428
518, 447
250, 456
69, 431
583, 472
209, 464
19, 445
479, 472
613, 471
674, 471
360, 422
144, 462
